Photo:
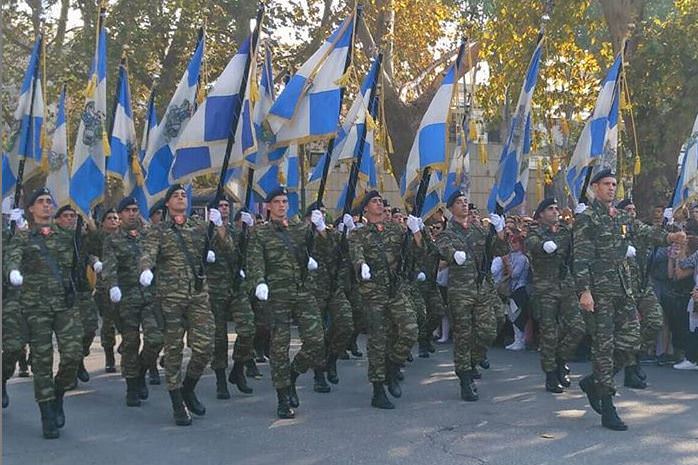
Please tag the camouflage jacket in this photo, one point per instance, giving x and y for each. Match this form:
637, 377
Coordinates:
638, 264
379, 245
121, 254
327, 253
554, 268
600, 245
223, 275
97, 244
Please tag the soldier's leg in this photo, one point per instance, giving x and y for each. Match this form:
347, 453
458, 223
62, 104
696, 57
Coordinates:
40, 325
280, 362
244, 320
312, 351
602, 326
378, 327
651, 321
461, 306
220, 307
130, 340
173, 311
199, 334
484, 325
68, 330
341, 326
12, 341
549, 307
404, 321
153, 337
627, 342
572, 327
436, 310
107, 334
90, 321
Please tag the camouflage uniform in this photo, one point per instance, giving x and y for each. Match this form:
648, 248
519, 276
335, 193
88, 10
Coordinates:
45, 307
559, 315
470, 291
85, 300
433, 299
600, 266
12, 319
290, 297
389, 314
651, 314
121, 254
106, 309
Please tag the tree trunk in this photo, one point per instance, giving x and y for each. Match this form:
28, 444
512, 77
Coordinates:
622, 16
60, 31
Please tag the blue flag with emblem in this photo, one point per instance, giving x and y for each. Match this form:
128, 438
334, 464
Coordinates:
123, 141
58, 177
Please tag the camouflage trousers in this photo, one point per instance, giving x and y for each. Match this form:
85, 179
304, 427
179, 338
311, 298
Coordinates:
43, 321
110, 319
473, 325
615, 334
561, 324
419, 306
392, 328
236, 308
435, 311
286, 305
134, 313
13, 332
190, 314
88, 316
651, 319
358, 312
337, 317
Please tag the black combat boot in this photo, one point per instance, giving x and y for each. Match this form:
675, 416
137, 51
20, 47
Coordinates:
221, 384
189, 396
48, 420
154, 374
332, 369
609, 416
109, 361
23, 365
283, 410
354, 347
293, 399
423, 350
83, 375
142, 386
468, 392
251, 369
638, 369
410, 358
179, 410
563, 372
392, 380
632, 380
237, 377
5, 397
552, 383
484, 364
58, 408
430, 346
379, 399
132, 389
475, 373
588, 385
319, 383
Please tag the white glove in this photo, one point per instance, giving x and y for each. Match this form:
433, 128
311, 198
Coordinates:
413, 224
98, 266
211, 256
421, 277
459, 257
318, 219
580, 208
549, 246
115, 294
214, 216
669, 215
247, 219
17, 215
242, 274
365, 272
631, 252
348, 222
146, 278
497, 221
262, 292
312, 264
16, 278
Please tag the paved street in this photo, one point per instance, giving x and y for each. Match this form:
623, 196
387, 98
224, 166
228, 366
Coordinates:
515, 422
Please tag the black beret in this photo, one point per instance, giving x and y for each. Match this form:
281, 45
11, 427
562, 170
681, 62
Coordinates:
36, 194
604, 173
126, 202
173, 188
215, 203
452, 198
386, 203
370, 195
545, 203
106, 212
64, 208
281, 190
624, 203
158, 207
395, 210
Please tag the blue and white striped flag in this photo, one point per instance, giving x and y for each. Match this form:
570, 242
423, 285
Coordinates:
123, 137
87, 178
9, 175
286, 173
137, 171
266, 153
164, 138
511, 180
598, 144
201, 148
458, 175
308, 107
58, 178
687, 181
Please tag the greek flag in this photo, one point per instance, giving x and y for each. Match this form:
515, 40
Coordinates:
433, 199
137, 168
58, 178
458, 175
201, 148
265, 139
512, 174
92, 143
687, 182
286, 173
599, 138
164, 137
123, 135
308, 108
9, 175
368, 175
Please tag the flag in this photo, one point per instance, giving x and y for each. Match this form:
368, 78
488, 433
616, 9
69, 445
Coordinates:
151, 121
123, 141
92, 143
512, 174
433, 200
164, 137
308, 108
9, 175
266, 153
202, 146
599, 138
58, 178
138, 170
687, 181
286, 173
458, 175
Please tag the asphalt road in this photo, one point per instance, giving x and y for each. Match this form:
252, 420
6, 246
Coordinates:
515, 422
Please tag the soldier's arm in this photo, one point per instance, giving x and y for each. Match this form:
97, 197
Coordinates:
110, 263
151, 247
255, 258
534, 244
446, 248
654, 235
356, 249
583, 252
500, 246
14, 253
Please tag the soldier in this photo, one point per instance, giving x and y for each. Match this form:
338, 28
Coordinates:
173, 247
44, 257
279, 263
375, 252
133, 305
549, 245
464, 246
602, 236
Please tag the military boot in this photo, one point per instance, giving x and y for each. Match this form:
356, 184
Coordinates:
132, 388
392, 380
48, 420
109, 361
379, 399
638, 369
319, 383
251, 369
552, 383
179, 410
189, 396
332, 369
563, 372
293, 399
468, 392
484, 364
283, 410
5, 397
588, 385
475, 373
354, 347
83, 375
609, 415
154, 374
423, 350
221, 384
143, 392
23, 365
632, 380
237, 377
59, 414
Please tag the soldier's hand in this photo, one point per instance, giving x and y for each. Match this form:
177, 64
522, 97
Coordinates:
497, 221
580, 208
586, 301
247, 219
242, 274
146, 278
318, 220
262, 292
549, 246
365, 272
413, 224
210, 256
16, 278
312, 264
459, 257
17, 215
98, 266
631, 252
669, 215
348, 222
115, 294
421, 277
214, 216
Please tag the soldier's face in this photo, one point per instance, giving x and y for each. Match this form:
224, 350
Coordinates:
375, 209
67, 220
605, 189
632, 211
177, 202
42, 209
224, 208
398, 218
460, 209
550, 215
129, 215
111, 222
278, 207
